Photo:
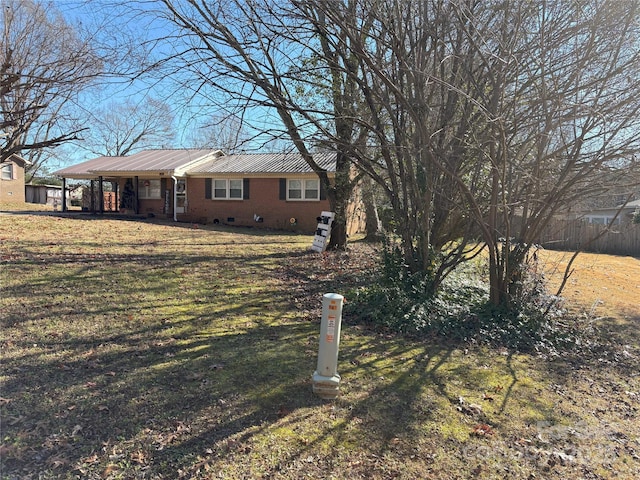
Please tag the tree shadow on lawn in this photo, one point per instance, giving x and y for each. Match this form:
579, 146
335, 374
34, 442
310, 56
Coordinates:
143, 401
129, 393
214, 384
137, 221
127, 284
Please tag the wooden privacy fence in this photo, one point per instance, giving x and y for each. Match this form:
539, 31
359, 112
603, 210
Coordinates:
577, 234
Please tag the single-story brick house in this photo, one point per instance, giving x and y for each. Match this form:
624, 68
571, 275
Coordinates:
273, 190
12, 179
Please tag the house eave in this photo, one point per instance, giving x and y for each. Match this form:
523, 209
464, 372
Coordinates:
255, 175
133, 173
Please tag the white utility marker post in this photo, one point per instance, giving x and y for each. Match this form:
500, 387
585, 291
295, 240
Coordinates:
326, 380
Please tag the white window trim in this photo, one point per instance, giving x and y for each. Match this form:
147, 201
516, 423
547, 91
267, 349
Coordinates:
303, 197
227, 188
144, 192
603, 220
9, 169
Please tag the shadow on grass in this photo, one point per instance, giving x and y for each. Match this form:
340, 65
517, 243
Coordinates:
179, 363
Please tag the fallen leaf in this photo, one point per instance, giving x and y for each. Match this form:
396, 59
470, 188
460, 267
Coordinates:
139, 457
470, 409
57, 462
483, 430
109, 470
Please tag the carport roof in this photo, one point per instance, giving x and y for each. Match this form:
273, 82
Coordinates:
146, 162
84, 170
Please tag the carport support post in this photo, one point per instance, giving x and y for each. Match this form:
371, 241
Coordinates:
64, 194
326, 380
93, 196
101, 194
136, 205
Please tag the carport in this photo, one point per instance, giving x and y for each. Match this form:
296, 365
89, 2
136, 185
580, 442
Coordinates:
149, 176
86, 171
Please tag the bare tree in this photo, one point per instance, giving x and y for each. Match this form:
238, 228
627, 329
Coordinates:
226, 133
492, 115
119, 129
414, 115
560, 95
44, 64
479, 120
251, 53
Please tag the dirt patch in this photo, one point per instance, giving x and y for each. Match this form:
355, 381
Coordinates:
603, 285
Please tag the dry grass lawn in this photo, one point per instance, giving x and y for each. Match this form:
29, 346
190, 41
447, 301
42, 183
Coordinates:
153, 350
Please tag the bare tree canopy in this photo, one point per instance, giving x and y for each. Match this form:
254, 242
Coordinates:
44, 63
497, 115
119, 129
479, 121
246, 56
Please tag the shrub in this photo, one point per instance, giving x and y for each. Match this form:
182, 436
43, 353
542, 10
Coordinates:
459, 311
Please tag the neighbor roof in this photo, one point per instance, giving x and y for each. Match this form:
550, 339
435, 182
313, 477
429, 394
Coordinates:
14, 157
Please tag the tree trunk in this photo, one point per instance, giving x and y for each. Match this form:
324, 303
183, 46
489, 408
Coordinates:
373, 225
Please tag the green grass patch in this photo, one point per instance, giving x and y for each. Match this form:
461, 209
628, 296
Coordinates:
160, 351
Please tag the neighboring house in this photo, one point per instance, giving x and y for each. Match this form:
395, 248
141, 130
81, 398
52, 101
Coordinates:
12, 179
267, 190
622, 214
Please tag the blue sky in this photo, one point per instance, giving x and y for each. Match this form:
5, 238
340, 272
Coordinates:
112, 22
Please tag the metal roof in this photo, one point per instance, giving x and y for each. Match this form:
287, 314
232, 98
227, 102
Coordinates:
198, 162
153, 161
147, 161
263, 163
85, 170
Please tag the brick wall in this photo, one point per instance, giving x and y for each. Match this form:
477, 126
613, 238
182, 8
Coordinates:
13, 191
263, 201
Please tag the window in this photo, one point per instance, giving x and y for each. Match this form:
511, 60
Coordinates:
229, 189
149, 188
298, 189
7, 172
603, 220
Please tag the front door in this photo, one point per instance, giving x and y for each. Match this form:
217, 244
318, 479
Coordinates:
181, 195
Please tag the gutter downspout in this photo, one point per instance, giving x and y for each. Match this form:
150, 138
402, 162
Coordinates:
175, 197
